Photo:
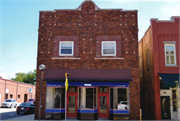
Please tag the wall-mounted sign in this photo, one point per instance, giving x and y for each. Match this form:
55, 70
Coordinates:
7, 90
30, 90
87, 84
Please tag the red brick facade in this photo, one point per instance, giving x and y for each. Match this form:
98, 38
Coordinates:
87, 26
18, 90
157, 34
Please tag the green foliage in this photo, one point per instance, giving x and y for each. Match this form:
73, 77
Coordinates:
25, 77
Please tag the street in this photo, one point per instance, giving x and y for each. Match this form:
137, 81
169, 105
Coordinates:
10, 114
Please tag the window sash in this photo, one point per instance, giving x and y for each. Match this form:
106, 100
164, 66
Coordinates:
170, 54
66, 48
108, 48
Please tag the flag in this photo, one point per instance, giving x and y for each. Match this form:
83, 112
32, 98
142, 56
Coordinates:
66, 84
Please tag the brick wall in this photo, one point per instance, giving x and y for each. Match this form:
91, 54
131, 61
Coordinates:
157, 33
88, 25
146, 78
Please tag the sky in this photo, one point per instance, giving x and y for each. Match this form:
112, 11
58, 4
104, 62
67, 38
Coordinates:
19, 20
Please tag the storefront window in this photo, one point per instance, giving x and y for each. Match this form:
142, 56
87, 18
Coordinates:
55, 97
119, 98
103, 89
87, 98
72, 89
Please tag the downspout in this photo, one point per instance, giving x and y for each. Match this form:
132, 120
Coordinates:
17, 91
5, 91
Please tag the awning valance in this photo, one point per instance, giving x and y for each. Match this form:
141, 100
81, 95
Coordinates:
89, 75
169, 79
88, 84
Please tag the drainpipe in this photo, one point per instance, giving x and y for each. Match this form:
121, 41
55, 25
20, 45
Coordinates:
17, 91
5, 90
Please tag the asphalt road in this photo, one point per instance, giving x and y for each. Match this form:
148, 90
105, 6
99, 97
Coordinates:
10, 114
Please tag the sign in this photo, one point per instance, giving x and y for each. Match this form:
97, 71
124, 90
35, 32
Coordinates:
30, 90
7, 90
87, 84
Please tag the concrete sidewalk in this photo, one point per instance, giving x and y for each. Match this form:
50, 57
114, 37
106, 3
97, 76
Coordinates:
31, 118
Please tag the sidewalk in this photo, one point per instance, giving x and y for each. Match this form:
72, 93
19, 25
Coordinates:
31, 118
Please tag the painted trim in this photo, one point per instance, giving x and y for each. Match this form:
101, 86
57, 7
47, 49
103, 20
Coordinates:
72, 42
114, 42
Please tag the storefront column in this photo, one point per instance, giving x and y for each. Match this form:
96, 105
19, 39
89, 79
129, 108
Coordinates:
83, 98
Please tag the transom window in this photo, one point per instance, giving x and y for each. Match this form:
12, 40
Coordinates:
109, 48
170, 56
66, 48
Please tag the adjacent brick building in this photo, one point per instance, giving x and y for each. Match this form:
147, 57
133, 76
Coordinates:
159, 68
19, 91
99, 48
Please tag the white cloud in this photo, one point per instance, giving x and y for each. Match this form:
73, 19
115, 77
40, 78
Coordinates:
7, 75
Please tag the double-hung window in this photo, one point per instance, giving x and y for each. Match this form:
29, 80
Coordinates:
108, 48
66, 48
170, 54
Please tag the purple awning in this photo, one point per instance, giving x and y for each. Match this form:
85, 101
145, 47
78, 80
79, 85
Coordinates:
116, 75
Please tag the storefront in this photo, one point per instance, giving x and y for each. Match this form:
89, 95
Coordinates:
169, 106
88, 99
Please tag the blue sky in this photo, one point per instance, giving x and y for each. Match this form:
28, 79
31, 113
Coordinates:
19, 21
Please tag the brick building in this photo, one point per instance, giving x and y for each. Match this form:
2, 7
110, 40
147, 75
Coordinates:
159, 68
19, 91
99, 48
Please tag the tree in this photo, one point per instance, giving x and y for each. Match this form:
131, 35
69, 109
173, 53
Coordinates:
25, 77
176, 99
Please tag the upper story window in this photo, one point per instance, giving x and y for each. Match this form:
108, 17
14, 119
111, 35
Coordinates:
108, 48
170, 54
66, 48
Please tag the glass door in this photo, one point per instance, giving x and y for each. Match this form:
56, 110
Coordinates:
72, 102
103, 103
165, 107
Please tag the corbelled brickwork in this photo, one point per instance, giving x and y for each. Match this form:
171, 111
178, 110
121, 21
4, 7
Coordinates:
87, 26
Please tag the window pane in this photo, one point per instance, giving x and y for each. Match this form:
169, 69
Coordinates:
121, 100
71, 107
169, 48
108, 45
103, 89
63, 98
94, 98
72, 89
89, 98
66, 51
57, 97
111, 98
53, 97
172, 59
174, 100
167, 59
108, 51
66, 45
103, 104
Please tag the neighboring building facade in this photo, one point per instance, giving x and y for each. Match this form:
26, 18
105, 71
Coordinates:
99, 48
159, 69
19, 91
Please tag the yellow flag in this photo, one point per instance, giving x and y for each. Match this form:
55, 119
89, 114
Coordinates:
66, 84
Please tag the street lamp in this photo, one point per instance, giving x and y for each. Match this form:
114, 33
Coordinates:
41, 68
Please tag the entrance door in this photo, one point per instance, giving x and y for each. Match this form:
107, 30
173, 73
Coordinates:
165, 107
25, 97
103, 104
72, 104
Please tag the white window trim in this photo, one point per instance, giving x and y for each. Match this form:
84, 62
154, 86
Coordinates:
114, 48
174, 54
66, 42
